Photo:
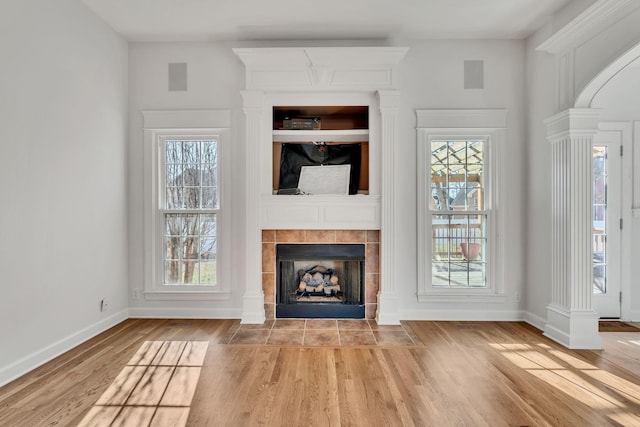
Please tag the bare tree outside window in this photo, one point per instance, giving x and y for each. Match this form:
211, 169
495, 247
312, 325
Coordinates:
191, 202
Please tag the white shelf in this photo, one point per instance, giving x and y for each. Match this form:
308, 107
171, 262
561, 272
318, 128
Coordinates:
350, 135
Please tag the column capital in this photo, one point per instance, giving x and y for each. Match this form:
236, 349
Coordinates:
389, 100
252, 100
573, 122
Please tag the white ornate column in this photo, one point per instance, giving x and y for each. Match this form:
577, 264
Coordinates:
253, 299
571, 319
388, 300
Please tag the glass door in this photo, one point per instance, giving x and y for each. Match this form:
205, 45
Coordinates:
606, 229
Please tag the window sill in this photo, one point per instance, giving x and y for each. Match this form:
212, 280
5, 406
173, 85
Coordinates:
457, 297
186, 295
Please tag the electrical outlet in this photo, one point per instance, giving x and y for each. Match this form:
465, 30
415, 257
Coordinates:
135, 293
516, 296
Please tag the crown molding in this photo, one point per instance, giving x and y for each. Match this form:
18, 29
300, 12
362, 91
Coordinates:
588, 23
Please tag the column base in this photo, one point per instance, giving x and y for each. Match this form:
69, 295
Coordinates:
574, 329
388, 309
253, 309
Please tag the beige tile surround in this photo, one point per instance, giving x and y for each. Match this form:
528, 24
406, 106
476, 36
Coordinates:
370, 238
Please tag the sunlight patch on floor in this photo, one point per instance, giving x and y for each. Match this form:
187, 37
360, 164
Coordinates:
155, 388
577, 379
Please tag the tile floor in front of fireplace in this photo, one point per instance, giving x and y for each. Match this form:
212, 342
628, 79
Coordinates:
322, 332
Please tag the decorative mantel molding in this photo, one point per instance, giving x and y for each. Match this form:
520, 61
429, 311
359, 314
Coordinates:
320, 68
308, 76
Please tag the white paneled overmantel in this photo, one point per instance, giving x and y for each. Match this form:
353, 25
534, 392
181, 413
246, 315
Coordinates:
319, 76
488, 125
320, 68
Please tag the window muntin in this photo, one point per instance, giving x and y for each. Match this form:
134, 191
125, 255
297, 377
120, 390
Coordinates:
458, 214
599, 235
189, 210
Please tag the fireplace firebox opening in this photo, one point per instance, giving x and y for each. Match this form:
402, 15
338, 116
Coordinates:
320, 281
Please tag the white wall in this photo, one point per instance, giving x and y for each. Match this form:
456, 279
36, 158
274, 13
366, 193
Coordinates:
542, 102
593, 50
215, 78
431, 77
63, 219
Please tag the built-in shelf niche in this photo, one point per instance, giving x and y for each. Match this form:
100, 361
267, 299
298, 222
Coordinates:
337, 125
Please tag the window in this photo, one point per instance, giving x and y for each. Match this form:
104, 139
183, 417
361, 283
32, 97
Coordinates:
185, 206
189, 210
458, 217
457, 234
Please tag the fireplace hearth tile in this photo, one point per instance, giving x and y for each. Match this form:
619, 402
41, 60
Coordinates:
286, 337
351, 337
318, 337
321, 332
266, 325
289, 324
357, 325
322, 324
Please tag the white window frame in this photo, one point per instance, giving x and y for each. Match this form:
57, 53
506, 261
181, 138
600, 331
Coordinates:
160, 126
458, 125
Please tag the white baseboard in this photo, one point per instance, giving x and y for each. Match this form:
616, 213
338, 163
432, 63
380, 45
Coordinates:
634, 316
534, 320
48, 353
184, 313
463, 315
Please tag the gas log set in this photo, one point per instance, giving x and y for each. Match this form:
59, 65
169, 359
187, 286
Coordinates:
318, 281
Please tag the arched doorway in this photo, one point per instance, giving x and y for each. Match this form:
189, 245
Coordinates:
615, 92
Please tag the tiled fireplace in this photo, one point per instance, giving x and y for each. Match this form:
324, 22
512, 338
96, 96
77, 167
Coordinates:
350, 93
370, 239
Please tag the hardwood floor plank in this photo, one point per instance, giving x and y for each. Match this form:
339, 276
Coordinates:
169, 353
194, 353
181, 387
119, 391
460, 373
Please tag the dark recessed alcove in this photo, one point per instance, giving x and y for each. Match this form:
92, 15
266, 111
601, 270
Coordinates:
323, 264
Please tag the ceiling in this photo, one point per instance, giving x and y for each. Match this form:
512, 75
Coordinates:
329, 20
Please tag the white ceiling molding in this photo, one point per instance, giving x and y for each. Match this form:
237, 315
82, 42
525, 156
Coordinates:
588, 23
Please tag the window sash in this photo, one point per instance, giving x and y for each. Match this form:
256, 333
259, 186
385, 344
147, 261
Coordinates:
459, 247
185, 261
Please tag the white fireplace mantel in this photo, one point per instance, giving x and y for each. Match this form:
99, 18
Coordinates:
320, 76
320, 68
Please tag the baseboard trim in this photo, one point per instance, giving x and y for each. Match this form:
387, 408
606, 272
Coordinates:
50, 352
184, 313
534, 320
463, 315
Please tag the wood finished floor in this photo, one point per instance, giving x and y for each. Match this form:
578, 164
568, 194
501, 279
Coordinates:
453, 374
